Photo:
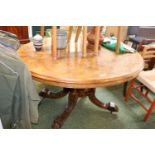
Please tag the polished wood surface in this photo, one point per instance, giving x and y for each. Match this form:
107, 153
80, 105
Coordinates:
74, 71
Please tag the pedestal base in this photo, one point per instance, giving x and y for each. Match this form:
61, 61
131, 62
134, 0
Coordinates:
73, 95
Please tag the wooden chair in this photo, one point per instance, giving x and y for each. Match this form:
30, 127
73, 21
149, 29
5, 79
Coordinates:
84, 44
54, 50
84, 29
148, 54
146, 80
149, 63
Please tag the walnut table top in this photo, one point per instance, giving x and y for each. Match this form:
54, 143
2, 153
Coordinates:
106, 69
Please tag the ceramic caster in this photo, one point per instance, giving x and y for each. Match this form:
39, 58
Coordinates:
112, 107
44, 92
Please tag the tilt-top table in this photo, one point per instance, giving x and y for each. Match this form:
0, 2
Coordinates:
79, 76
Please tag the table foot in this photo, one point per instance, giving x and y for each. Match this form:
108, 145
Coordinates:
72, 100
97, 102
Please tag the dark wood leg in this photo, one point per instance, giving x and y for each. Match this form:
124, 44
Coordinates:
94, 100
72, 100
48, 94
125, 88
74, 94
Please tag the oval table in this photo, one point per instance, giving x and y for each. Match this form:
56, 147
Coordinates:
79, 76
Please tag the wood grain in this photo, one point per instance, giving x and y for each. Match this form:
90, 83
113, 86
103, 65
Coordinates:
106, 69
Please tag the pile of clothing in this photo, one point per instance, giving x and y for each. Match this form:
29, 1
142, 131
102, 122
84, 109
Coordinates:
18, 96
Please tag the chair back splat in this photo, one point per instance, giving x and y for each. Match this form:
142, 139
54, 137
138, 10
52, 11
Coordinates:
54, 42
42, 31
84, 29
148, 52
118, 39
84, 49
69, 38
97, 35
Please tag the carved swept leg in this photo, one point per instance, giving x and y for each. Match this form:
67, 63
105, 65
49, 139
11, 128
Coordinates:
74, 94
94, 100
46, 93
72, 100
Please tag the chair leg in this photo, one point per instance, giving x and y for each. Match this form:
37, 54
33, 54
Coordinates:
125, 88
129, 89
149, 111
